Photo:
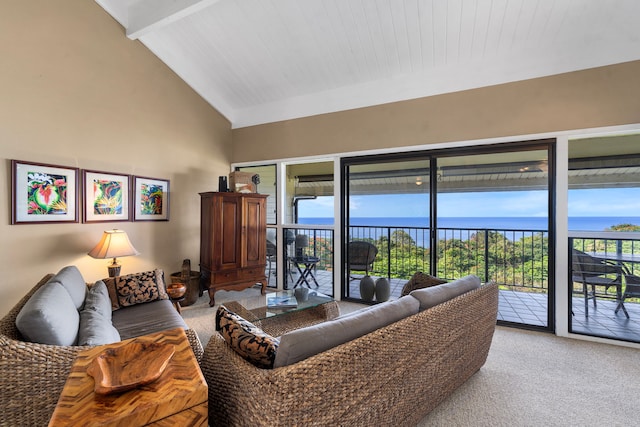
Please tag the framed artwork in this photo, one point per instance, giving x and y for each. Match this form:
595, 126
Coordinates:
42, 193
150, 199
106, 196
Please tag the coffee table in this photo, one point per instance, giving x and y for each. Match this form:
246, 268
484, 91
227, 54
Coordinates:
317, 308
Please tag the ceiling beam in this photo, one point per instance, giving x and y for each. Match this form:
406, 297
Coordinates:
148, 15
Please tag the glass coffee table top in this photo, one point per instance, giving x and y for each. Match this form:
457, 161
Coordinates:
260, 307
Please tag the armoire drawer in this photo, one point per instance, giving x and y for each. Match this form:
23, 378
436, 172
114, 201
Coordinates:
225, 276
251, 273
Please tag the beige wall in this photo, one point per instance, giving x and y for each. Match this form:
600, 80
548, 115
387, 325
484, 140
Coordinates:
76, 92
598, 97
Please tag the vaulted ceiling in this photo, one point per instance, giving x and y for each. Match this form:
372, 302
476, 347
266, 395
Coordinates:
261, 61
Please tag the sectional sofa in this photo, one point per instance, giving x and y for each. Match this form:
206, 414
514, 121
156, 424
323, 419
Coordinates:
389, 364
61, 316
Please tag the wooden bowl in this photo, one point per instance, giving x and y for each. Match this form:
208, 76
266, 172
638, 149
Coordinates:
176, 290
135, 364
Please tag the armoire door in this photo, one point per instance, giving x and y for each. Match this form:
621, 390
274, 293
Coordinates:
254, 229
227, 240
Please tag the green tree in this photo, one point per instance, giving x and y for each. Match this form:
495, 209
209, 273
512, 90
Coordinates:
623, 227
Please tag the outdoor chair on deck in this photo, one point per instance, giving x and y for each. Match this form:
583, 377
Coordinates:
594, 272
631, 290
361, 256
271, 258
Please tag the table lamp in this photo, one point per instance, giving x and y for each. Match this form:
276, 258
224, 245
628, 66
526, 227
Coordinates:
114, 243
302, 241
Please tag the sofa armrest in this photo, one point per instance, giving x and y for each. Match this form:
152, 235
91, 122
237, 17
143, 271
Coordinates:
31, 379
196, 344
33, 375
392, 376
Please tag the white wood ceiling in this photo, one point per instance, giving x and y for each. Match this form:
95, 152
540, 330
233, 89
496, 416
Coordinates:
260, 61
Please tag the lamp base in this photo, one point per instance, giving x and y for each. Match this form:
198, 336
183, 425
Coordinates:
114, 270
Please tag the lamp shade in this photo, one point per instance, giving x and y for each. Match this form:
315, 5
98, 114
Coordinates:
302, 241
114, 243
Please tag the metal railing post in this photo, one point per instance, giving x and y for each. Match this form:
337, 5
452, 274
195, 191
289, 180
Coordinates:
486, 255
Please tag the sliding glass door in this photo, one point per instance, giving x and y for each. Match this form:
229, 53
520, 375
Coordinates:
604, 237
387, 222
483, 210
493, 211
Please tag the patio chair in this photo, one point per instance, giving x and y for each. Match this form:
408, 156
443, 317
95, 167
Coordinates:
360, 256
631, 290
271, 258
594, 272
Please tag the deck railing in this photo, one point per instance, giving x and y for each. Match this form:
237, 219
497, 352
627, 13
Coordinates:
515, 259
512, 258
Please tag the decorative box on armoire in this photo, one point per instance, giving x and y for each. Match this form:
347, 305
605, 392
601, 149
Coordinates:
233, 241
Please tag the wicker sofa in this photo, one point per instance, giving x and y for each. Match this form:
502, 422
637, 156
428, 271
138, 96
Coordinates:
394, 375
32, 375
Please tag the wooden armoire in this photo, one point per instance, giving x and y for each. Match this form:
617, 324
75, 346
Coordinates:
233, 241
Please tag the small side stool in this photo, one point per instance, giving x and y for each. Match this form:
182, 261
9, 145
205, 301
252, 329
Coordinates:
176, 293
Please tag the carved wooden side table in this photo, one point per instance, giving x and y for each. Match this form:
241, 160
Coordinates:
177, 398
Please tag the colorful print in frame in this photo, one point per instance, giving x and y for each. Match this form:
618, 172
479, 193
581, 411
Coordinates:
151, 199
106, 196
42, 193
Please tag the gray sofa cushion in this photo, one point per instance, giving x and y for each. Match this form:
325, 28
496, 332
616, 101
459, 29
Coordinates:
146, 318
434, 295
420, 280
95, 329
49, 316
71, 279
305, 342
98, 300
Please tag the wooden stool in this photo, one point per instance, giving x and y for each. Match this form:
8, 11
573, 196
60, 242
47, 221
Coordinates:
176, 292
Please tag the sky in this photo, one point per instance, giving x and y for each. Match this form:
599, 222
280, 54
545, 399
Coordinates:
589, 203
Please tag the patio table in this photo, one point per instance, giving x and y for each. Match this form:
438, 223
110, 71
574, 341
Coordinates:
629, 277
309, 264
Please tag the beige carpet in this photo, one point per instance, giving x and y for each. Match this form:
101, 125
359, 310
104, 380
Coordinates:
530, 379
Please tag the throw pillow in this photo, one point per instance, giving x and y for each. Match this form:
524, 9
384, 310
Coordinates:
430, 297
420, 280
98, 300
49, 317
113, 294
139, 288
246, 339
71, 279
95, 329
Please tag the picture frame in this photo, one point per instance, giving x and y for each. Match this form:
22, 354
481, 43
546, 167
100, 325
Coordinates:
150, 199
107, 196
43, 193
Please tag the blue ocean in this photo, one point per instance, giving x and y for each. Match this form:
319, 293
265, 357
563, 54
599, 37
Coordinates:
496, 223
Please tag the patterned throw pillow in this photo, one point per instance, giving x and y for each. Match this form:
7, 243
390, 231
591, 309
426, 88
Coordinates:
136, 288
420, 280
249, 341
113, 294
